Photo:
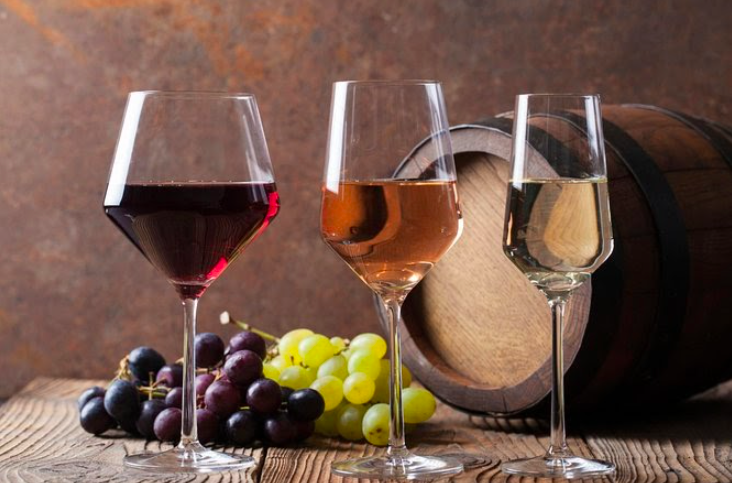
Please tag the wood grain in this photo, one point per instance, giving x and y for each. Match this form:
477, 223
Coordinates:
40, 441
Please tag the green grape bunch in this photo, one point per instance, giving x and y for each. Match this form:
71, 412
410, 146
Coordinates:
352, 376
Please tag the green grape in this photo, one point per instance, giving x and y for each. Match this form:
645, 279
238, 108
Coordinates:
375, 425
335, 366
331, 388
406, 376
315, 349
381, 384
289, 342
373, 343
326, 424
347, 353
381, 393
294, 377
364, 361
419, 405
270, 372
312, 374
350, 417
338, 344
358, 388
280, 363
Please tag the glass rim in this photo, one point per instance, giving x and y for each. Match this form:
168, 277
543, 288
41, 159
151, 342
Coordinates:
568, 95
388, 82
191, 94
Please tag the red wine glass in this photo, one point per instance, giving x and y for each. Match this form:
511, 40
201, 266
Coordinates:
191, 186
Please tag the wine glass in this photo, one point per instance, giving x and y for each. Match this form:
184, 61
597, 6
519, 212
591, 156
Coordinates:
191, 186
557, 231
390, 214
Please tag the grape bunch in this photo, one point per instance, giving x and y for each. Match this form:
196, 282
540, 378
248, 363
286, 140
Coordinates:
353, 379
259, 388
235, 403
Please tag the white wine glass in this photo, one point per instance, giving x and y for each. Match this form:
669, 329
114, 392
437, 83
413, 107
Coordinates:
390, 214
557, 231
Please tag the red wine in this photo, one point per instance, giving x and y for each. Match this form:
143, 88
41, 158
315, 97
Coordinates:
192, 231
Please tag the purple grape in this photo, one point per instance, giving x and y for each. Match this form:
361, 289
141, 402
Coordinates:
209, 349
248, 341
279, 430
222, 397
139, 384
143, 361
286, 391
129, 426
88, 395
122, 401
303, 429
202, 383
243, 393
150, 410
264, 396
241, 428
174, 398
94, 418
208, 425
243, 367
305, 405
167, 425
170, 376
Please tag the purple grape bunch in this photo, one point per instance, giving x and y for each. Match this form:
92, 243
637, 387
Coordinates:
236, 404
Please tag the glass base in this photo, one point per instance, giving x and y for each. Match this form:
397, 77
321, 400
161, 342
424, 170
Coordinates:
569, 467
408, 467
192, 458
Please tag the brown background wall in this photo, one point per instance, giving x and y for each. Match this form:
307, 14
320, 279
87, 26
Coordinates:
75, 296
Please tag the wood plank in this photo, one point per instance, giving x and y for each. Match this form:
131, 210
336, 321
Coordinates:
41, 441
692, 443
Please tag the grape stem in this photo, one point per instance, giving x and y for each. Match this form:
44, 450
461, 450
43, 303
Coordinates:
123, 371
152, 390
202, 370
346, 346
225, 318
152, 385
272, 352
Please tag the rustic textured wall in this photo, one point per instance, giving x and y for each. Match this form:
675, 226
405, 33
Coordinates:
75, 295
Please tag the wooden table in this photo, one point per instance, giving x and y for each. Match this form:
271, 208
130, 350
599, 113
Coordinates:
41, 441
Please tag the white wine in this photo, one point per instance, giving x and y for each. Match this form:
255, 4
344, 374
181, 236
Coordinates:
558, 231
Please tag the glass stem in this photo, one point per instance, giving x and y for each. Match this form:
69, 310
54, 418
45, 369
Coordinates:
189, 429
397, 447
558, 445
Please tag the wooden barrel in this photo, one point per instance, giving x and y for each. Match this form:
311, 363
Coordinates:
654, 327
